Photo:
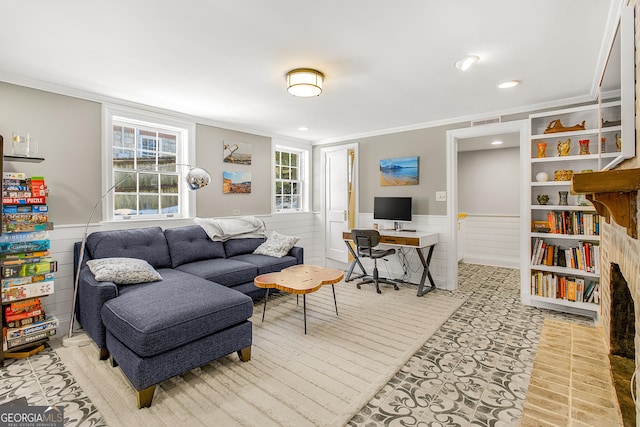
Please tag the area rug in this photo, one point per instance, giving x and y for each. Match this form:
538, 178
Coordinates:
322, 378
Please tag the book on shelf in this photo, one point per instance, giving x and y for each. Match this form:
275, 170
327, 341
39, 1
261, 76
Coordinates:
569, 288
585, 256
50, 322
18, 247
28, 339
27, 291
41, 200
11, 209
573, 223
23, 255
30, 320
17, 281
44, 265
14, 175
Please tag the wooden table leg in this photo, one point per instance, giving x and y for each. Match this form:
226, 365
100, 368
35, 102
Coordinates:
334, 298
304, 305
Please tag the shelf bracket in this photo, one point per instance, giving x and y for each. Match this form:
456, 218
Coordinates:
614, 194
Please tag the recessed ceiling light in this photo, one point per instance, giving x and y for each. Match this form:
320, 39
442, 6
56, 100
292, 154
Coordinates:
303, 128
496, 142
467, 62
509, 84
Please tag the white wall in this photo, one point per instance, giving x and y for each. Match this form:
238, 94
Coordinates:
488, 192
488, 181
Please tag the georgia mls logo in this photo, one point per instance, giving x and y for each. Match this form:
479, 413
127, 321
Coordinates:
31, 416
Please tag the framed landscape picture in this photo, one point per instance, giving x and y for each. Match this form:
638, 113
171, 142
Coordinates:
399, 171
236, 182
236, 152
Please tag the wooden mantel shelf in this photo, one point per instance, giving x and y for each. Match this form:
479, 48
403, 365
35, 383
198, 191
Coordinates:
613, 194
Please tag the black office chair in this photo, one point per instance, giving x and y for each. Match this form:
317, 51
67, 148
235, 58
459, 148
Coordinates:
366, 241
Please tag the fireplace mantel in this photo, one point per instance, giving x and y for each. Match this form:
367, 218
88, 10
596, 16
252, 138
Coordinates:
613, 194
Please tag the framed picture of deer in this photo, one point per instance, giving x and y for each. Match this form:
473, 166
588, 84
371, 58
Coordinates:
237, 152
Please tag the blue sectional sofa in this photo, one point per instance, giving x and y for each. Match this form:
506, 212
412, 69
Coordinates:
197, 313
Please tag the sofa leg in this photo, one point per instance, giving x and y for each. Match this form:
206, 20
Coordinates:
245, 354
104, 354
112, 360
145, 396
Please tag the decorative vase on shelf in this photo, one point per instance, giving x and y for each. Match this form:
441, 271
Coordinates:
542, 149
563, 198
542, 199
584, 146
603, 145
564, 147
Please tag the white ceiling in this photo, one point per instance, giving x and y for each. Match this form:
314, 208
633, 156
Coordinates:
388, 64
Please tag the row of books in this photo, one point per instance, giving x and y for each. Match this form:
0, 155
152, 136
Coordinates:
18, 185
557, 286
574, 222
585, 256
26, 269
26, 322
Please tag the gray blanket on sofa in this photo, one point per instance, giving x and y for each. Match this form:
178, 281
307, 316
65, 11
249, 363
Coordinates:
222, 229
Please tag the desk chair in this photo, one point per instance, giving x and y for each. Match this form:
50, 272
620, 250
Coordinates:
366, 241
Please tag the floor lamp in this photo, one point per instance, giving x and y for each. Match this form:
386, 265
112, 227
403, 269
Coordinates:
196, 178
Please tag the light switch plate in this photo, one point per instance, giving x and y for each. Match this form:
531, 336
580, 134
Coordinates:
441, 196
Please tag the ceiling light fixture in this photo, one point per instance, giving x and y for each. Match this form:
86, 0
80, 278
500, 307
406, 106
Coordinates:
467, 62
496, 142
507, 85
304, 82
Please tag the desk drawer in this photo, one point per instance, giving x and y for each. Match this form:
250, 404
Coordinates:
397, 240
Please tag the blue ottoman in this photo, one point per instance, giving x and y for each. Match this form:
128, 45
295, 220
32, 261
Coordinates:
159, 330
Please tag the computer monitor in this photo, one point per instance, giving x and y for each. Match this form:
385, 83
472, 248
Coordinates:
396, 209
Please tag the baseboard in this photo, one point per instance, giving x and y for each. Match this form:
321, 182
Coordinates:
494, 262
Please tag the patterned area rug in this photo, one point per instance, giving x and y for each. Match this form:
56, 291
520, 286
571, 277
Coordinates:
322, 379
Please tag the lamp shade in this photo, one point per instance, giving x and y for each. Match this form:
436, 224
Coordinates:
197, 178
304, 82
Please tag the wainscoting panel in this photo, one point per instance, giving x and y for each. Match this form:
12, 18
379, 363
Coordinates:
491, 240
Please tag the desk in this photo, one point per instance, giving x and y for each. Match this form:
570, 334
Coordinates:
417, 240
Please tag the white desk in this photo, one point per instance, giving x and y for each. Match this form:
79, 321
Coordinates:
419, 240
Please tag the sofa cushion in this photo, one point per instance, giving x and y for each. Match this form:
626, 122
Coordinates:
224, 271
191, 243
123, 271
175, 312
147, 243
266, 264
235, 247
278, 245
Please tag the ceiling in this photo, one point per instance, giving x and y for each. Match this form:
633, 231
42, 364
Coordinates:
389, 65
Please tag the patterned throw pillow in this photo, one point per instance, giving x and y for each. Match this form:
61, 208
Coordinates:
123, 271
278, 245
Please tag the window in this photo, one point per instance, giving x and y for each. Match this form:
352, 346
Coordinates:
145, 168
290, 179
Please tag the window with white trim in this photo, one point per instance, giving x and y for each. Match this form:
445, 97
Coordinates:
291, 169
145, 167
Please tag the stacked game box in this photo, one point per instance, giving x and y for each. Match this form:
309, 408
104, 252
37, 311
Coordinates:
26, 268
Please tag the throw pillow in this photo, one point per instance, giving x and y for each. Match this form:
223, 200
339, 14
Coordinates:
278, 245
123, 271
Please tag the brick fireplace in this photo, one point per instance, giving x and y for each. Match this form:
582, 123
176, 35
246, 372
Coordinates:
620, 260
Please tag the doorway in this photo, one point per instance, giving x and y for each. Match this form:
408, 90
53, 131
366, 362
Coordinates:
339, 203
454, 139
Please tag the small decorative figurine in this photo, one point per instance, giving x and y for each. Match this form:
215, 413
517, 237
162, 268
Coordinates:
556, 126
564, 147
584, 146
542, 149
618, 142
542, 199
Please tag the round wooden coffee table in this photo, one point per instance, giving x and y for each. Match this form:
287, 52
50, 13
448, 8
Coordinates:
300, 280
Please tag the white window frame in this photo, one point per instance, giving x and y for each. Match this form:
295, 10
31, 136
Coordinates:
304, 168
185, 152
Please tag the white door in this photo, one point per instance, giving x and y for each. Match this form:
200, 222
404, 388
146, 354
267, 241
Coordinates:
336, 169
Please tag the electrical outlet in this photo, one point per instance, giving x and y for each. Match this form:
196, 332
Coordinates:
441, 196
236, 211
